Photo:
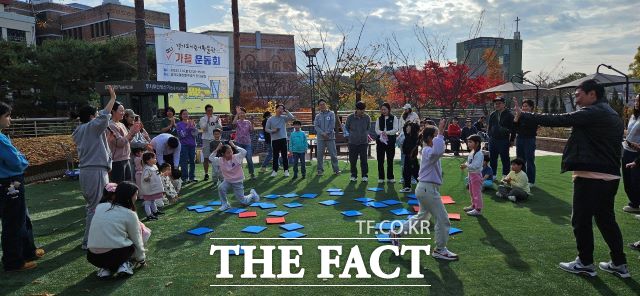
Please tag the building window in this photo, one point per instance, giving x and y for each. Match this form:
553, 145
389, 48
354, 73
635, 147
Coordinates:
16, 35
506, 49
93, 31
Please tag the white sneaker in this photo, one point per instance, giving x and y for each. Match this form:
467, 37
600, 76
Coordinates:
125, 268
414, 181
511, 198
380, 181
254, 196
405, 190
103, 273
401, 180
444, 254
353, 179
263, 169
392, 180
474, 213
365, 179
498, 194
224, 207
577, 267
274, 173
637, 217
531, 185
286, 173
620, 270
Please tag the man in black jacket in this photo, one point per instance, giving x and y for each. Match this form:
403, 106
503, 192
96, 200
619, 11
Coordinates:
593, 153
526, 143
501, 136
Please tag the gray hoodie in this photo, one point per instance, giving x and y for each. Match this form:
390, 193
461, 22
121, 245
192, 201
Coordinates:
279, 122
91, 140
325, 122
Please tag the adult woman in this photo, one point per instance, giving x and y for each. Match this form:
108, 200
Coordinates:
244, 127
526, 143
267, 142
18, 248
631, 176
115, 237
169, 121
119, 143
141, 139
386, 128
187, 132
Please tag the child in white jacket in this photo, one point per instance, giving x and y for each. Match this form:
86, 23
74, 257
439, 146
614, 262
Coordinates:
474, 165
151, 187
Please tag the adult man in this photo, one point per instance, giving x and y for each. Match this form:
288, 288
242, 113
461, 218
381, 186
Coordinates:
480, 124
526, 143
167, 149
501, 136
277, 127
324, 124
593, 153
94, 156
358, 125
208, 123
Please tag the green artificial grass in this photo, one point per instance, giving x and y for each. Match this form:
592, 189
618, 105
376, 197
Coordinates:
514, 249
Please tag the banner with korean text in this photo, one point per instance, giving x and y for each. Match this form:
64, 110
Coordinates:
201, 61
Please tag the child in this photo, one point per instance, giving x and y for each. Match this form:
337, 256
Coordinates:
109, 192
410, 150
215, 167
176, 179
137, 160
298, 146
231, 168
474, 165
516, 183
169, 191
487, 173
430, 179
151, 187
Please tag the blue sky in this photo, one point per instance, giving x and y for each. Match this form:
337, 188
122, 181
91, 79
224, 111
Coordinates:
585, 33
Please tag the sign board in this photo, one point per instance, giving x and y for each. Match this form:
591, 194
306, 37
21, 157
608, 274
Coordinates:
201, 61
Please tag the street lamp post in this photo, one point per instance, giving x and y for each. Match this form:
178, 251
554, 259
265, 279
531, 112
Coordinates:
311, 53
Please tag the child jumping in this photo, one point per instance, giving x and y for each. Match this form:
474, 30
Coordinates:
516, 183
151, 187
298, 146
474, 166
427, 192
231, 168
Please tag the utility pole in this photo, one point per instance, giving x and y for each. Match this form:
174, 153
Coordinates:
182, 18
141, 40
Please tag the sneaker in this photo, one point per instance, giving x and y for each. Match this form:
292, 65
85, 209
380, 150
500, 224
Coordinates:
401, 180
337, 172
152, 218
103, 273
395, 238
353, 179
630, 209
635, 246
444, 254
637, 217
274, 173
498, 194
467, 208
392, 180
206, 177
365, 179
194, 181
263, 169
414, 181
620, 270
531, 185
224, 207
303, 176
511, 198
381, 181
577, 267
254, 196
253, 176
124, 269
286, 173
320, 173
474, 213
405, 190
26, 266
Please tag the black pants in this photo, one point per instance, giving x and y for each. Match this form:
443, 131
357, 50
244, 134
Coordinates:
388, 150
355, 152
279, 147
593, 198
17, 233
410, 170
111, 260
455, 144
631, 178
120, 171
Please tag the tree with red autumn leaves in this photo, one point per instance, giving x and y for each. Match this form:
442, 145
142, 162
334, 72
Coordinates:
449, 87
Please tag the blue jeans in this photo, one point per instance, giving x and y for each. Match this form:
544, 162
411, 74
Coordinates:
526, 150
249, 156
299, 157
267, 160
188, 162
499, 147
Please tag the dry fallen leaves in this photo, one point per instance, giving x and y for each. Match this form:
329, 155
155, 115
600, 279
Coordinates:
42, 150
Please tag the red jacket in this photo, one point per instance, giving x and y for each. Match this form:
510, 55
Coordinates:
454, 130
